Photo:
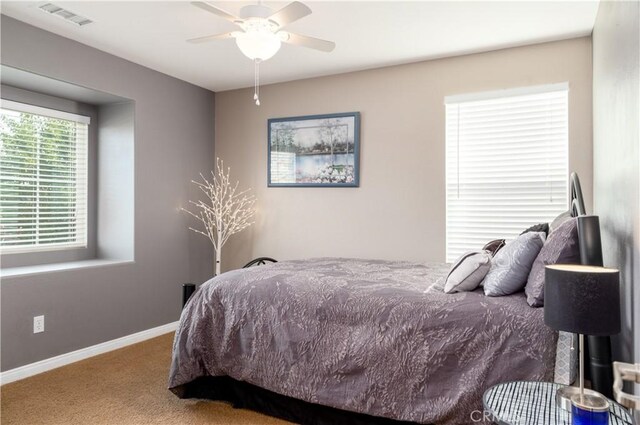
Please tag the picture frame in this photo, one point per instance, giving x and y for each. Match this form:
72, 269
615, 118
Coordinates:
314, 151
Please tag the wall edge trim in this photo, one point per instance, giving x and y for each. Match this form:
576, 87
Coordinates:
45, 365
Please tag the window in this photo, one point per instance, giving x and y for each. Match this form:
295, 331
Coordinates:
507, 163
43, 179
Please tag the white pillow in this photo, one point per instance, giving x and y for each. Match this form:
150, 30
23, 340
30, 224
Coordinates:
468, 271
511, 266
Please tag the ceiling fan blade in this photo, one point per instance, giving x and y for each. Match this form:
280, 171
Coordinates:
217, 11
211, 38
306, 41
289, 13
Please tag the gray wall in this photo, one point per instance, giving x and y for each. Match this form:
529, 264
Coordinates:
116, 197
616, 153
174, 141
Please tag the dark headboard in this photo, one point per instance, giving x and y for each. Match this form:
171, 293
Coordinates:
577, 201
588, 226
599, 348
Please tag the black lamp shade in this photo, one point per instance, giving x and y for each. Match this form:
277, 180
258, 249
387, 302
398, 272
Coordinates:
582, 299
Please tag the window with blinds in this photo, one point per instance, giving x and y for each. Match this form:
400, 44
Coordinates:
43, 179
506, 164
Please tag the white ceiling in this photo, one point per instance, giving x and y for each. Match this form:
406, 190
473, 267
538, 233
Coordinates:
367, 34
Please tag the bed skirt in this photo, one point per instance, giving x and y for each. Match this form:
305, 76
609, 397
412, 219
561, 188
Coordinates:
243, 395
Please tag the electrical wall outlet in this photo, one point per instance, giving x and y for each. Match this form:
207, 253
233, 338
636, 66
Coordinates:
38, 324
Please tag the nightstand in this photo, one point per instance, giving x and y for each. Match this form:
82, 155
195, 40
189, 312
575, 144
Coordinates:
534, 403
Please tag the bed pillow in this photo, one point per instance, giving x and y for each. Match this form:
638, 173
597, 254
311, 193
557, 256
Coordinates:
511, 266
559, 220
494, 246
542, 227
561, 247
468, 271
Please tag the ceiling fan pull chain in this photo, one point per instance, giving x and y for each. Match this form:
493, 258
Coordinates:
256, 82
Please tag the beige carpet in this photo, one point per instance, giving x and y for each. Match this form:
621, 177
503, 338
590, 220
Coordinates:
127, 386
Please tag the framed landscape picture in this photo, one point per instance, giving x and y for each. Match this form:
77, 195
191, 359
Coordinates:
314, 151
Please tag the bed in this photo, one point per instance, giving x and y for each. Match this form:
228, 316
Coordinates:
333, 340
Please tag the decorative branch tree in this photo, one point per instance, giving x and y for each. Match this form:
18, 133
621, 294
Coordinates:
225, 210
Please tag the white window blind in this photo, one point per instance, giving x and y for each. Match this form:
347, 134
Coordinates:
43, 179
506, 162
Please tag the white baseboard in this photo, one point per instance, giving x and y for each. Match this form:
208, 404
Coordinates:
84, 353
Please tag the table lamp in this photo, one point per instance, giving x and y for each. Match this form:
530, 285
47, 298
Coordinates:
584, 300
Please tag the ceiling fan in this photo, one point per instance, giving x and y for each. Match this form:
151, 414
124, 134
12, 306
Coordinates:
260, 33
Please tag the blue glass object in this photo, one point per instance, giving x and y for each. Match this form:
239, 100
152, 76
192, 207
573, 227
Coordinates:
588, 416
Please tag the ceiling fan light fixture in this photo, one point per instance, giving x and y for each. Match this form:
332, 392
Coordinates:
258, 41
283, 36
261, 37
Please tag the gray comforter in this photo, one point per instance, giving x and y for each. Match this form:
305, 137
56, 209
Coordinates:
368, 336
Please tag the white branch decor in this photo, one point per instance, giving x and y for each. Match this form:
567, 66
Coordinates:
225, 211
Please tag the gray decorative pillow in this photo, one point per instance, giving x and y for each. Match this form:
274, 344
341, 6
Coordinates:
494, 246
561, 248
559, 220
566, 358
511, 266
468, 271
542, 227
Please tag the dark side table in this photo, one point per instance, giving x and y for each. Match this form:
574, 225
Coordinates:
534, 403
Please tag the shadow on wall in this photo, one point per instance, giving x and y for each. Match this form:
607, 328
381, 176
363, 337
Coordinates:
622, 256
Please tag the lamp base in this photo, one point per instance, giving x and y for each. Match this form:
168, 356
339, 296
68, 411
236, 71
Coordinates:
564, 394
589, 410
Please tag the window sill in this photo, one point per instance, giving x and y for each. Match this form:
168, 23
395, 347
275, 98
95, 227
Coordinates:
10, 272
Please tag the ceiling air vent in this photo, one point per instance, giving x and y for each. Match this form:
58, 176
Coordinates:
65, 14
